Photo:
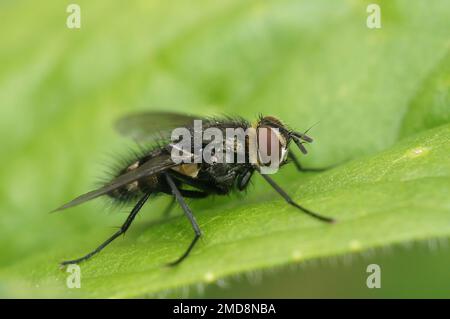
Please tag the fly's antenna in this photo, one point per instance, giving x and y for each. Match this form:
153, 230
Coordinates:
311, 127
302, 138
299, 144
299, 138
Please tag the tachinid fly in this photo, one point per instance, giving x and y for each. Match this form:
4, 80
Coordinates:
230, 164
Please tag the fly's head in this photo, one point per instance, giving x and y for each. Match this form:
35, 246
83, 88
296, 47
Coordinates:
273, 138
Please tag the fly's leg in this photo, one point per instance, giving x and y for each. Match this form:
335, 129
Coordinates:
193, 194
169, 208
187, 211
198, 184
300, 168
244, 179
186, 193
290, 201
121, 231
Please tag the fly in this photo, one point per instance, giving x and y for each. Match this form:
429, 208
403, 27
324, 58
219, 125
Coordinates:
159, 172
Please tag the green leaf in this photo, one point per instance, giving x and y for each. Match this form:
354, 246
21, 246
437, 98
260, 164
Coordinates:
398, 195
430, 108
303, 61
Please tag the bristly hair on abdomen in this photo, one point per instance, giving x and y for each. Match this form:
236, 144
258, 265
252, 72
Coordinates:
119, 162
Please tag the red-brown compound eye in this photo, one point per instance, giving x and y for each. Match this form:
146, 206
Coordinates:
269, 145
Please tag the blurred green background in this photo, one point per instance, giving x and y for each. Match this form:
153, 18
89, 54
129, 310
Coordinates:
62, 89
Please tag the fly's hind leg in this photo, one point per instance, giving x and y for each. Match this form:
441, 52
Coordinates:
121, 231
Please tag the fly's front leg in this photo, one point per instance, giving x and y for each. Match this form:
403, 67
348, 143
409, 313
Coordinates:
290, 201
299, 166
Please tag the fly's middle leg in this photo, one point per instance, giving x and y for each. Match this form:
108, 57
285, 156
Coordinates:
187, 211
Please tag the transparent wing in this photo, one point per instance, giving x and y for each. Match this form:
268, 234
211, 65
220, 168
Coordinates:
152, 166
150, 126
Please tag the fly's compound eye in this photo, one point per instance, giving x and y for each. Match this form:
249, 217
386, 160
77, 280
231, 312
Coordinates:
271, 146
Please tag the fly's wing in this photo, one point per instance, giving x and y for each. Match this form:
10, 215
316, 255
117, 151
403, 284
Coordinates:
152, 166
142, 127
151, 126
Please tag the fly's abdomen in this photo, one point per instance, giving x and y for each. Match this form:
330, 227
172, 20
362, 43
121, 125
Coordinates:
136, 188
